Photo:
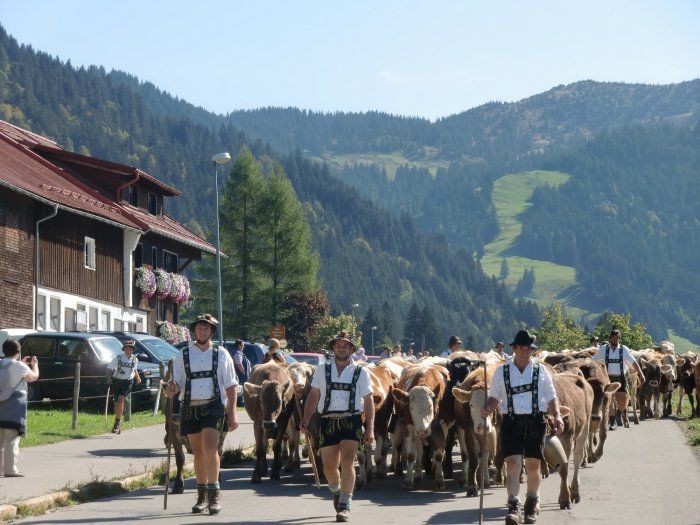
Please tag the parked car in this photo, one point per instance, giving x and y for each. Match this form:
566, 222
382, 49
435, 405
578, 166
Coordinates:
149, 348
13, 333
58, 353
253, 351
373, 359
309, 357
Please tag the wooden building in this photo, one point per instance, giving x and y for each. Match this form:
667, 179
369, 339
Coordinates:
73, 229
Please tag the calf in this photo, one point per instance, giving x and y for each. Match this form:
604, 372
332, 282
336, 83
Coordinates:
269, 403
686, 381
416, 397
301, 375
576, 395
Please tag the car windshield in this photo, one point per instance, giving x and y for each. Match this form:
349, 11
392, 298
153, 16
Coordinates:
107, 347
311, 359
159, 348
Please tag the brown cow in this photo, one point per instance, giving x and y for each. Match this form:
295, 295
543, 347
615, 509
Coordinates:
650, 390
575, 394
269, 401
416, 398
471, 396
686, 382
697, 386
668, 381
301, 375
382, 386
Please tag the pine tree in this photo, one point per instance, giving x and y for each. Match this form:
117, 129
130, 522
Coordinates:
431, 330
504, 269
413, 327
388, 323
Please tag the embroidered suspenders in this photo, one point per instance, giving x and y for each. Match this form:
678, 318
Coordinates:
521, 389
623, 379
123, 365
347, 387
200, 375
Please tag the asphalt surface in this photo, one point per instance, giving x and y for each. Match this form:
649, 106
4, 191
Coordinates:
648, 475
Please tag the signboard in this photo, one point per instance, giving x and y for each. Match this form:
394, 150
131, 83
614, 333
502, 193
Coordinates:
277, 331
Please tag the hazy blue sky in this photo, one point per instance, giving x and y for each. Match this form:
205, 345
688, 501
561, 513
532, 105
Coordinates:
431, 58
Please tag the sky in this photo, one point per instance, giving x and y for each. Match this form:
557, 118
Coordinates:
417, 58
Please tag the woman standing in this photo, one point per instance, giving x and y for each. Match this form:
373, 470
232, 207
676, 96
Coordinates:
124, 370
14, 376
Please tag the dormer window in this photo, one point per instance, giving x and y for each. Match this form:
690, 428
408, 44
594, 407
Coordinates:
133, 196
152, 204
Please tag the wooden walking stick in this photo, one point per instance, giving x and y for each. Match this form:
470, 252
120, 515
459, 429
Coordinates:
312, 454
169, 423
107, 401
484, 456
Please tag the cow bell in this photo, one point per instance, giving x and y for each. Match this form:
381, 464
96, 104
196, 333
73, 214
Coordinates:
554, 452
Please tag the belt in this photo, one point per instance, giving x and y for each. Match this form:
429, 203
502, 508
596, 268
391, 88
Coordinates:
200, 402
526, 417
339, 415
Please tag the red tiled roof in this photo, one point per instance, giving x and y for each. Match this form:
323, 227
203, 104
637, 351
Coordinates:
23, 169
25, 137
168, 227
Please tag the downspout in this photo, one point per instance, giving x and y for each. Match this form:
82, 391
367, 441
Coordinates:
137, 174
38, 256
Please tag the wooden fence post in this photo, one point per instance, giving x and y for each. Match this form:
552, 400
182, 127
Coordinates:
127, 408
76, 395
161, 370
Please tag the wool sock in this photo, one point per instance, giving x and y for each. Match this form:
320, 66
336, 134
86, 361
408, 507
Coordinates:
532, 494
201, 486
345, 498
334, 488
213, 486
513, 499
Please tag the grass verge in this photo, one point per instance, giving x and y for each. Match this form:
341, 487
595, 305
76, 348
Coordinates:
693, 427
46, 425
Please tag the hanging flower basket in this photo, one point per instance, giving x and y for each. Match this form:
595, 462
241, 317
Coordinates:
163, 283
145, 281
179, 288
173, 333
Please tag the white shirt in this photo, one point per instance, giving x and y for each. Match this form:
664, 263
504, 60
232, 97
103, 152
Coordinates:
614, 368
13, 374
446, 353
203, 388
340, 399
522, 403
122, 368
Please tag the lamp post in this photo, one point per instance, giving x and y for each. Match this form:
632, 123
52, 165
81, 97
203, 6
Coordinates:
352, 313
219, 158
373, 329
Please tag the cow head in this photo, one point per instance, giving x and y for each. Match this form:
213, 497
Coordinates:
603, 389
272, 397
474, 400
420, 402
652, 371
301, 375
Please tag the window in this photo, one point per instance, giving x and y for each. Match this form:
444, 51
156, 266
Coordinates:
40, 312
170, 261
70, 319
81, 318
92, 320
118, 327
138, 256
39, 346
55, 314
152, 203
105, 320
161, 312
133, 196
71, 348
154, 257
140, 324
89, 248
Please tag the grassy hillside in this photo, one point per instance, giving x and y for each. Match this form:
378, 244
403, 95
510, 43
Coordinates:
391, 161
553, 282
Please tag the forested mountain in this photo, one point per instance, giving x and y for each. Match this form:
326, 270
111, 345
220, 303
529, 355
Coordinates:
629, 222
368, 255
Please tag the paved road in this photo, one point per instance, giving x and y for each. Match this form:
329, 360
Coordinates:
49, 468
647, 476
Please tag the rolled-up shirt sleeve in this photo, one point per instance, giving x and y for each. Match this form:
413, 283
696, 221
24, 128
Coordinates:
497, 388
114, 363
627, 357
227, 375
319, 379
179, 374
364, 384
546, 386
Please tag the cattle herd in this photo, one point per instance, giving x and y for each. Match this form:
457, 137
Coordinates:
424, 409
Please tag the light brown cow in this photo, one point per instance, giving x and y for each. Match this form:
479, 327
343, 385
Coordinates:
416, 397
301, 375
686, 382
269, 403
576, 395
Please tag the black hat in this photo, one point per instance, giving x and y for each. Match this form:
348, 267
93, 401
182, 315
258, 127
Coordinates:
615, 332
205, 318
524, 338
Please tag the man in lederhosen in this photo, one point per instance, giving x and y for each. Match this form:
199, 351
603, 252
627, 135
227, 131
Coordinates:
341, 390
203, 375
523, 390
617, 359
123, 373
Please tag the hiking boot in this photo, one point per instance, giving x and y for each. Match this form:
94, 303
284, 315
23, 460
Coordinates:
618, 419
513, 516
336, 500
201, 504
531, 509
214, 496
117, 428
343, 512
613, 424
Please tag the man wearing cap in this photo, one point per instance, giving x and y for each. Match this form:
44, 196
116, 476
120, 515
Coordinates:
452, 346
500, 349
618, 360
274, 352
203, 375
124, 371
523, 391
341, 390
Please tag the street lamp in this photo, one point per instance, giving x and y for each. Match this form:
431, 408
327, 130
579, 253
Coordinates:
373, 329
352, 313
219, 158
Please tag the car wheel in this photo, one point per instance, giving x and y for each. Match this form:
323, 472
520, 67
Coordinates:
34, 392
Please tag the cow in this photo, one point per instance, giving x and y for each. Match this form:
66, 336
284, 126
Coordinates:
575, 397
686, 382
668, 381
301, 375
596, 375
633, 384
180, 443
416, 397
471, 396
697, 387
269, 401
649, 391
556, 358
382, 386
